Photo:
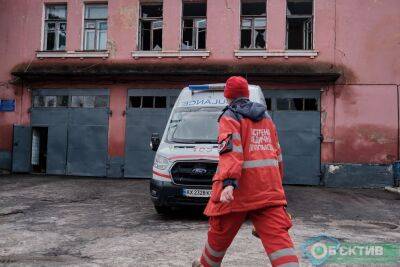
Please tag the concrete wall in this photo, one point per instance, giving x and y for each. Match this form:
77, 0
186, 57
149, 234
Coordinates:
360, 120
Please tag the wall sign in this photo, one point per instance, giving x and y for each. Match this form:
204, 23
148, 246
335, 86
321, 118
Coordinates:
7, 105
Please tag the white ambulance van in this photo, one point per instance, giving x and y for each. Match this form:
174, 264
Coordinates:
187, 153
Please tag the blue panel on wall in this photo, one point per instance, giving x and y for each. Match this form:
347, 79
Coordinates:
7, 105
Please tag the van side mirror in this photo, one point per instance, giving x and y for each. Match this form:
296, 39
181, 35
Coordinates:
155, 141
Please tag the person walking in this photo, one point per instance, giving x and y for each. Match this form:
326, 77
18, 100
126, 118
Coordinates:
248, 182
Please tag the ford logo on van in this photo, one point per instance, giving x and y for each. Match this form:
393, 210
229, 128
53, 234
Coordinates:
199, 171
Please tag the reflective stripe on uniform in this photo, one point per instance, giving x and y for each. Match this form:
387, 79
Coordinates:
280, 157
210, 261
214, 252
289, 264
237, 149
259, 163
236, 136
282, 252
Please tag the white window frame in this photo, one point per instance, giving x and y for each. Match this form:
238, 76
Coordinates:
311, 20
152, 20
96, 29
57, 29
195, 29
253, 28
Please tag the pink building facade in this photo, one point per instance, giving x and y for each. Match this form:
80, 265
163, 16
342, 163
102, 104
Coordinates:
351, 58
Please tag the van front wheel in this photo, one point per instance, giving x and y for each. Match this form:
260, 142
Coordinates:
162, 209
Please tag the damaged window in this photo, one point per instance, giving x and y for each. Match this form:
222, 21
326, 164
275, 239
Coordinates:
148, 101
50, 101
151, 24
298, 104
299, 24
194, 25
65, 101
89, 101
95, 33
268, 102
253, 25
55, 26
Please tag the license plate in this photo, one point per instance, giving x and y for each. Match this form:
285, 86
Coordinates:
196, 192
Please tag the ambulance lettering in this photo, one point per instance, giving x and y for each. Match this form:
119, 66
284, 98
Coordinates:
203, 102
260, 140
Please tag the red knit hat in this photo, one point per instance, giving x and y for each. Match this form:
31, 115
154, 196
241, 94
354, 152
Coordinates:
235, 87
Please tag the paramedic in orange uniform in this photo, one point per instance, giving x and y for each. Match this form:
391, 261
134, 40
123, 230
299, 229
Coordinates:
248, 181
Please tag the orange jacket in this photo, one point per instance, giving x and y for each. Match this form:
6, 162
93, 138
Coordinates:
250, 159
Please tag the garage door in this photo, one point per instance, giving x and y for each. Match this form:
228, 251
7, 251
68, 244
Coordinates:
296, 114
77, 122
147, 113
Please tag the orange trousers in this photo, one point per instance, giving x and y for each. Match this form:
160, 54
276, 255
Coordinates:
272, 225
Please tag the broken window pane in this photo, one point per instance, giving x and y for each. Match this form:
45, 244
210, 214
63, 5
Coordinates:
148, 11
55, 27
157, 39
245, 40
253, 8
160, 102
187, 38
194, 9
296, 104
50, 44
135, 101
147, 101
145, 39
253, 25
299, 24
260, 39
194, 24
310, 104
201, 43
299, 7
151, 28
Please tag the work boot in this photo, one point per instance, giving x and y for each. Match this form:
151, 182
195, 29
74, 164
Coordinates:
197, 263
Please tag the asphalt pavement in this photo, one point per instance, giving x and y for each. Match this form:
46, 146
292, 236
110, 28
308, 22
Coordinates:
74, 221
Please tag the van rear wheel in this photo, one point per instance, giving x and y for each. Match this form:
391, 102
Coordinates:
162, 209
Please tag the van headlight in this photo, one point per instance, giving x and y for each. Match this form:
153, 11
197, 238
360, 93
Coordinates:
161, 162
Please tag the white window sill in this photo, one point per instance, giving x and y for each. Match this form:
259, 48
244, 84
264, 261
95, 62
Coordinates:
72, 54
177, 54
283, 53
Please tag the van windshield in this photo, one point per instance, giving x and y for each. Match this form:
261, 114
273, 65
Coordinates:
194, 125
